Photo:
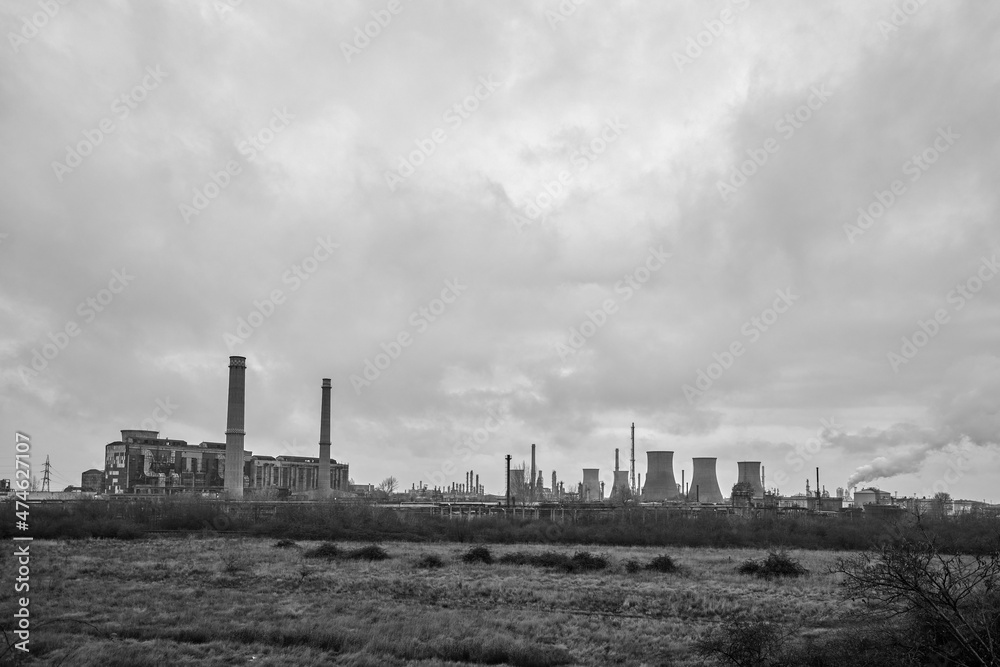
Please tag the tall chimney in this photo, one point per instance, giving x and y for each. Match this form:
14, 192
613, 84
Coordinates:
616, 459
324, 439
235, 425
533, 471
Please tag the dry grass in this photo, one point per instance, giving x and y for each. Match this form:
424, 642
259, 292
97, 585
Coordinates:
208, 601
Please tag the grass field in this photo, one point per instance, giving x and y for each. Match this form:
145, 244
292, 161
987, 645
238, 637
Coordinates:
233, 601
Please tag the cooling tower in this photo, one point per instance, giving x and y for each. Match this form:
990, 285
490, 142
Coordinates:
750, 473
234, 426
324, 439
704, 482
591, 484
620, 484
660, 482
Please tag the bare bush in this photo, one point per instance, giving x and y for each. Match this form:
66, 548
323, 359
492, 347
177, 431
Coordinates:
938, 606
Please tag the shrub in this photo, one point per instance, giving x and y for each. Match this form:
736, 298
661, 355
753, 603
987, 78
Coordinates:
284, 544
663, 563
632, 566
370, 552
430, 562
744, 642
478, 555
586, 561
327, 550
235, 562
777, 564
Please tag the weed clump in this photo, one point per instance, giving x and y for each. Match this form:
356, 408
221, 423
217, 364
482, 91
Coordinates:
430, 562
584, 561
370, 552
663, 563
327, 550
632, 566
478, 555
284, 544
777, 564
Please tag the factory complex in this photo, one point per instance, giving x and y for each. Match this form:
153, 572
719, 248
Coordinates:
142, 463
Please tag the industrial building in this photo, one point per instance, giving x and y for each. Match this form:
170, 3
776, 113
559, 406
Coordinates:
142, 462
92, 481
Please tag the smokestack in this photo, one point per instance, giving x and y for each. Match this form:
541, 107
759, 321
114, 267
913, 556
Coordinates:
508, 480
749, 472
533, 474
324, 439
660, 482
616, 459
635, 489
703, 476
235, 432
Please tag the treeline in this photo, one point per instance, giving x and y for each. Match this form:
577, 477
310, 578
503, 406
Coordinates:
333, 521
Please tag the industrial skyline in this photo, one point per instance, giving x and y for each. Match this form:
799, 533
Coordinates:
489, 227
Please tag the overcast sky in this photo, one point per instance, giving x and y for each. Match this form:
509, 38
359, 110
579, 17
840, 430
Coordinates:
548, 221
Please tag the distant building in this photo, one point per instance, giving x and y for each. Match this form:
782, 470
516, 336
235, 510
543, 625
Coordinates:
142, 462
872, 496
93, 480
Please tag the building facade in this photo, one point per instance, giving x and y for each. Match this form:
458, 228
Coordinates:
92, 480
143, 463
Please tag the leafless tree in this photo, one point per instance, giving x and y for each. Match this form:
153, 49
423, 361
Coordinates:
934, 604
388, 485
